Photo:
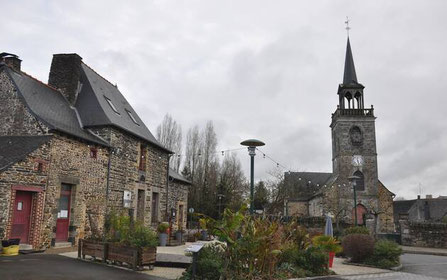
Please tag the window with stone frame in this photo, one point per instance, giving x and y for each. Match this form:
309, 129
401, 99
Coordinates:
142, 158
93, 153
360, 182
39, 166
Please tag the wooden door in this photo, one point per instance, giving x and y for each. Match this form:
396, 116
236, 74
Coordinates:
22, 214
361, 212
63, 214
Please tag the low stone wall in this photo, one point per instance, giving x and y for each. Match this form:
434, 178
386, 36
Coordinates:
423, 234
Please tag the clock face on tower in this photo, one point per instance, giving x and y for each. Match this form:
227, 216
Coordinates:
357, 160
356, 136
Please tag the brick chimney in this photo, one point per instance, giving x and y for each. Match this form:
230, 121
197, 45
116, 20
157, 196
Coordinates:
11, 60
429, 196
65, 73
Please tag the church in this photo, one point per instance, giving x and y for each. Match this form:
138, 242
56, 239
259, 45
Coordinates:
354, 179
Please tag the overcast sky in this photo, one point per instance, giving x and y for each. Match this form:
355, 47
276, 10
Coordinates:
262, 69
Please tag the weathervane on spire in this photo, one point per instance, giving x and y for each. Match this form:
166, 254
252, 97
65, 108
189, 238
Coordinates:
347, 25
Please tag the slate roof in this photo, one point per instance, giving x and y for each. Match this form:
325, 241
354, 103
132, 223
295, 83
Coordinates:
177, 177
16, 148
402, 207
437, 207
349, 77
50, 106
305, 185
95, 110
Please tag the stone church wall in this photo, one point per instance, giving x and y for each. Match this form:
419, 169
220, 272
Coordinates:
298, 208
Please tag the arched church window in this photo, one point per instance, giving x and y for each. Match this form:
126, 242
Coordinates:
356, 136
360, 182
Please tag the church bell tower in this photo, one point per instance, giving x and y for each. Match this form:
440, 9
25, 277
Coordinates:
353, 135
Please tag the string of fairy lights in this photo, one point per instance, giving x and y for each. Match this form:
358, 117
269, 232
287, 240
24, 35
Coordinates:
264, 155
227, 151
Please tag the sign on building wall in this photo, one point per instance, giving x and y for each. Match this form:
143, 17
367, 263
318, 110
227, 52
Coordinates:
127, 199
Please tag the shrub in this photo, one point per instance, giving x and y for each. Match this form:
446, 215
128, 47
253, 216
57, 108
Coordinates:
358, 246
163, 227
209, 262
313, 260
356, 230
142, 236
297, 235
327, 243
386, 254
121, 229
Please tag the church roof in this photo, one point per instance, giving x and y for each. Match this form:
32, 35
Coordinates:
349, 77
304, 185
16, 148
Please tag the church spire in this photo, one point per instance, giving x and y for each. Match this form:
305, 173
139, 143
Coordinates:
349, 76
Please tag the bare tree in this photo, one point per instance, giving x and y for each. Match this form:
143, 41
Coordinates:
169, 134
232, 182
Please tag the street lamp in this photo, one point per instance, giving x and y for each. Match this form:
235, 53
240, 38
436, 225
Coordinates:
353, 180
252, 144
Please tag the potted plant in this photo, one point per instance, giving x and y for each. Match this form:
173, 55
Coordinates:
163, 233
203, 232
329, 244
179, 234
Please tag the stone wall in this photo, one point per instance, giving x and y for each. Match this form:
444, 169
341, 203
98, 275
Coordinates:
72, 164
298, 208
386, 223
16, 119
423, 234
343, 149
178, 199
25, 174
126, 176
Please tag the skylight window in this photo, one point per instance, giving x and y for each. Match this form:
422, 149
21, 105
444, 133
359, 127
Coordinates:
132, 117
111, 105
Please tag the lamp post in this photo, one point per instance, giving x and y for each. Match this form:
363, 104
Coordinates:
353, 179
252, 144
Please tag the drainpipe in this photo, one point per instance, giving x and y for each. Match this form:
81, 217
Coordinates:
109, 163
167, 188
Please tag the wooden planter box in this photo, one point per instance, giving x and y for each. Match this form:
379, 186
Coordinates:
92, 248
136, 257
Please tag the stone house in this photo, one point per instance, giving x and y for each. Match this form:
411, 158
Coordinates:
178, 200
428, 209
354, 161
73, 150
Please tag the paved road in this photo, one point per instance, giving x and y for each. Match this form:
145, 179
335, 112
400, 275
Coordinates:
49, 267
430, 265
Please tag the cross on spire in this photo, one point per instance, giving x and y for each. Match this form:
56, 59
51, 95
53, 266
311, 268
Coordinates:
347, 26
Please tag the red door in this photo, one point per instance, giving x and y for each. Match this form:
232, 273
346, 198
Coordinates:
22, 214
361, 212
63, 214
